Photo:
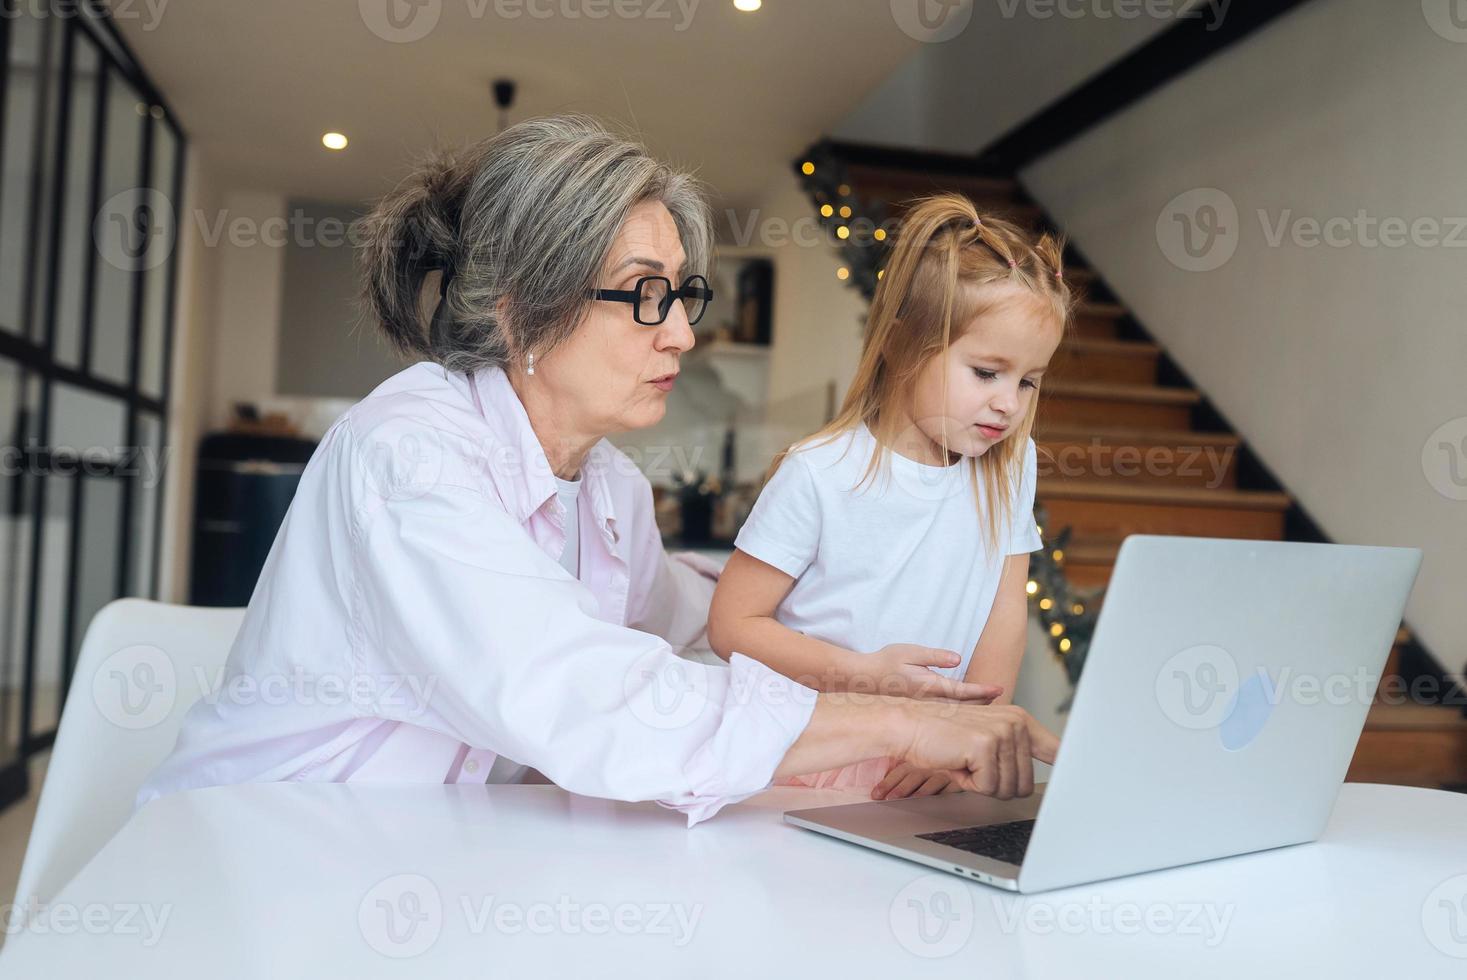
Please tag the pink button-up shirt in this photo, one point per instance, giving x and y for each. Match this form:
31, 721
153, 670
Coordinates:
412, 621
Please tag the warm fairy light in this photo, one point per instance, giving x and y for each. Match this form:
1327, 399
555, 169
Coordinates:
334, 141
748, 6
1077, 609
843, 273
807, 168
843, 232
826, 210
1065, 645
880, 273
879, 234
1056, 629
1032, 587
844, 190
1046, 603
845, 211
1059, 555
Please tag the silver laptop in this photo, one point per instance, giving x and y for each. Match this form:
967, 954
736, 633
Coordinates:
1226, 686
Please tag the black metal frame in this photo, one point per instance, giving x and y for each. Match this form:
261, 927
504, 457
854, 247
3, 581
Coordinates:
32, 346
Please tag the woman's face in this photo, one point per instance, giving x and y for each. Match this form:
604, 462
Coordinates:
992, 372
603, 374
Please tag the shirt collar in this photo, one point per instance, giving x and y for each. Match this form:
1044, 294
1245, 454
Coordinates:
518, 465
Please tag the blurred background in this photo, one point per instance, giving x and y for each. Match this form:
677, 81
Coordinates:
1265, 205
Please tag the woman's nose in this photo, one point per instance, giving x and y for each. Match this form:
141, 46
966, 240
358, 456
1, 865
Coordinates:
675, 333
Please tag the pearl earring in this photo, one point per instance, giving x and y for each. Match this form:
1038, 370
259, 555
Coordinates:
531, 369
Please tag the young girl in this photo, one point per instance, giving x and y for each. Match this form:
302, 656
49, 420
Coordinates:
889, 551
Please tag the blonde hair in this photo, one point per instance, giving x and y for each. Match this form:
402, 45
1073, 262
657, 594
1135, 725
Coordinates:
949, 265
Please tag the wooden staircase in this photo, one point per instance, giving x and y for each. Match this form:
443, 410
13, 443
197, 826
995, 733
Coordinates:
1127, 446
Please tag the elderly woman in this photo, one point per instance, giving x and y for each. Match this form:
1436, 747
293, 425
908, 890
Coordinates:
471, 574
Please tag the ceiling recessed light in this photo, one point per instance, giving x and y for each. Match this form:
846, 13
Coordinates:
748, 6
334, 141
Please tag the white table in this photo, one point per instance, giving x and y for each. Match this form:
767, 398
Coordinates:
291, 880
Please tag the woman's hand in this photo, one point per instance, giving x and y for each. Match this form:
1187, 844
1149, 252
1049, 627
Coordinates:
988, 749
905, 779
903, 670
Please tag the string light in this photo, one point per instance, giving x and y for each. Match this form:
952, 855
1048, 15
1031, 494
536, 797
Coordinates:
807, 168
880, 273
1046, 603
1032, 587
1056, 629
1059, 555
844, 190
843, 233
826, 210
1064, 645
879, 234
1077, 609
843, 273
845, 211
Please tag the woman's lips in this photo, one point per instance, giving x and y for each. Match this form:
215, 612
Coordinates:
665, 383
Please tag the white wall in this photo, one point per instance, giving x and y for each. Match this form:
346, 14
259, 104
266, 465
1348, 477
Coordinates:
1338, 364
1011, 60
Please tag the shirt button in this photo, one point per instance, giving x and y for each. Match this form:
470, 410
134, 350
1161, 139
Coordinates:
472, 765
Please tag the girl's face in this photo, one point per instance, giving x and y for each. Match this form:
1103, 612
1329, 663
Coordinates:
992, 372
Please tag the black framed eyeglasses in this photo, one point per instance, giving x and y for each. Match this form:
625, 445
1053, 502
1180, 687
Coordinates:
652, 298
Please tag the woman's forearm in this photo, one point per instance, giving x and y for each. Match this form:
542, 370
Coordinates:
847, 728
812, 662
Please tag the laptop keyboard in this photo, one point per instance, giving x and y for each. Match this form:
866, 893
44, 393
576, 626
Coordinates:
1000, 841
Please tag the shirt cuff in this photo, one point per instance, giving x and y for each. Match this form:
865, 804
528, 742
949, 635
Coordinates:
763, 713
756, 545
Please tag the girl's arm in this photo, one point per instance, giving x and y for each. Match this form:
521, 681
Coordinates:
1000, 647
741, 618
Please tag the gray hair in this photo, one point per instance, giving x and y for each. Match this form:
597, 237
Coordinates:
524, 219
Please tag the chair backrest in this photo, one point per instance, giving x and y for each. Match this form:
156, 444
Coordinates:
142, 666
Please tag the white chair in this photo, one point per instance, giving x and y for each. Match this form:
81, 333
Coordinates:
142, 666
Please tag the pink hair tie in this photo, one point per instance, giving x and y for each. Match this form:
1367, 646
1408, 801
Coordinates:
1013, 264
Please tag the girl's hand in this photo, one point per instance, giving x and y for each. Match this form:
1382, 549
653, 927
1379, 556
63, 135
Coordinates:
989, 749
906, 780
902, 670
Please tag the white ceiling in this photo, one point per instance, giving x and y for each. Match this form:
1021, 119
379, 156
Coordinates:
729, 94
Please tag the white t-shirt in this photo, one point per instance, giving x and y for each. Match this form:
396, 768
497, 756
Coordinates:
901, 560
570, 558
